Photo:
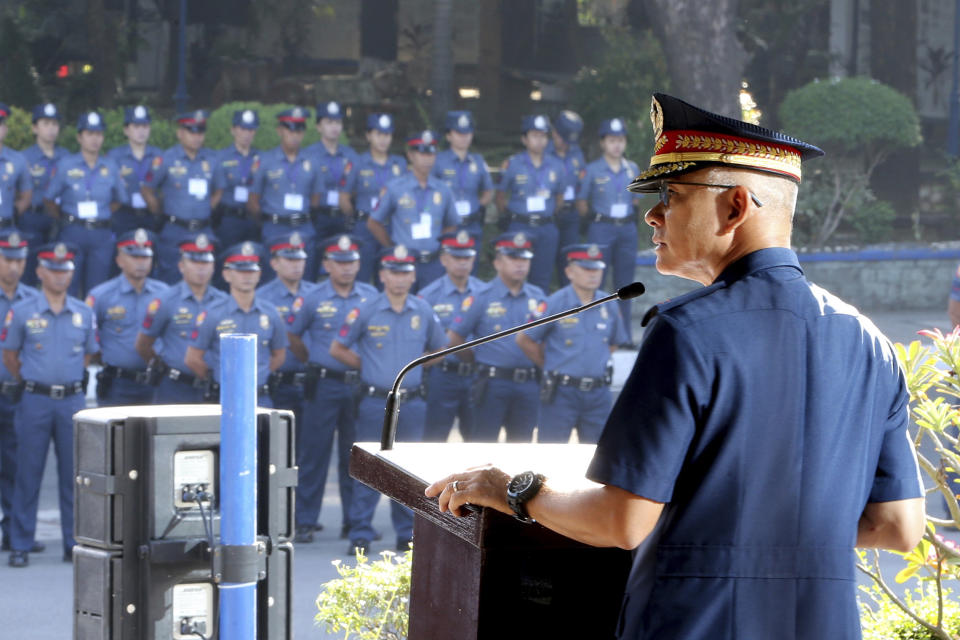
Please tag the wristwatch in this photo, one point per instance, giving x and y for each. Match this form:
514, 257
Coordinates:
522, 488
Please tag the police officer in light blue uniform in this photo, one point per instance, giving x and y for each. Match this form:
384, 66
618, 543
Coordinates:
575, 391
36, 223
286, 292
183, 175
84, 191
15, 186
120, 305
13, 254
386, 332
364, 182
449, 382
47, 343
506, 392
331, 159
172, 318
466, 174
530, 191
612, 211
331, 394
233, 180
241, 312
287, 186
134, 160
416, 209
564, 146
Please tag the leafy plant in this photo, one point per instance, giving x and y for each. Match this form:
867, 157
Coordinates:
858, 122
928, 612
370, 601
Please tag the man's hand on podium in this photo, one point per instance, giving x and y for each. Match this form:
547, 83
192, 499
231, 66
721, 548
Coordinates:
479, 486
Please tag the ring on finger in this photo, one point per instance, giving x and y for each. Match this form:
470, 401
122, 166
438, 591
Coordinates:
456, 486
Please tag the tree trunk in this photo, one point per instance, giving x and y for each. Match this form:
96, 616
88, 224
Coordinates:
704, 57
441, 71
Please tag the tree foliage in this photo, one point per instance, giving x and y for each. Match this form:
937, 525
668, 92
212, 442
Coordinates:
858, 122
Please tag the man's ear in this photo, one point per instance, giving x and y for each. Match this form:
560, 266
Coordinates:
737, 209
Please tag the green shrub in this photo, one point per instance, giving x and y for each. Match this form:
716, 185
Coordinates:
858, 122
218, 127
370, 601
19, 133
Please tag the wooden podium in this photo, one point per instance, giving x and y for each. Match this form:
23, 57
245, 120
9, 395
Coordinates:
487, 575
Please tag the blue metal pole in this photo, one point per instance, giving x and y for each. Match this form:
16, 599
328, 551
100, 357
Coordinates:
180, 97
953, 130
238, 476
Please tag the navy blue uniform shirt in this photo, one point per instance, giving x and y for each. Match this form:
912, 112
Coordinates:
84, 192
6, 304
288, 306
52, 345
14, 179
447, 300
366, 179
467, 179
494, 309
233, 173
573, 163
285, 187
133, 172
579, 345
41, 169
413, 215
386, 340
605, 190
323, 314
532, 190
172, 317
226, 316
765, 413
333, 167
120, 311
185, 184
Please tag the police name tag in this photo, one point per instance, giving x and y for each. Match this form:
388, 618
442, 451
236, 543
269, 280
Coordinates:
137, 201
333, 198
421, 230
374, 201
87, 209
463, 207
536, 203
241, 194
568, 193
197, 187
618, 210
293, 202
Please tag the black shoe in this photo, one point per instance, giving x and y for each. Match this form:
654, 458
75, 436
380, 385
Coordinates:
304, 535
19, 559
403, 544
317, 527
68, 555
344, 531
38, 547
358, 545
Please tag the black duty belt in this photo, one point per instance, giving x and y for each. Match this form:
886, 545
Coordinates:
322, 373
402, 395
288, 377
186, 378
134, 375
234, 212
475, 217
140, 213
88, 224
55, 391
630, 219
518, 374
292, 220
262, 390
6, 222
189, 225
582, 384
333, 212
532, 220
459, 368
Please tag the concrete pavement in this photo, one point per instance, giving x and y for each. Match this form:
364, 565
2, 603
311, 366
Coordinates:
37, 602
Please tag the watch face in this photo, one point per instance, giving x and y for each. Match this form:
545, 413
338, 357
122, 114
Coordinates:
521, 482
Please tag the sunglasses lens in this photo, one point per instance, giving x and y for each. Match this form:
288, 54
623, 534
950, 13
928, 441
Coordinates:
664, 194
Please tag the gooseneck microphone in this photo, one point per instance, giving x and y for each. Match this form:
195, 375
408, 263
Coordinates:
392, 410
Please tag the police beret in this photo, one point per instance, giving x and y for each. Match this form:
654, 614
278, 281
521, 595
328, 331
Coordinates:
136, 115
56, 256
295, 118
424, 141
244, 256
397, 258
90, 121
568, 124
138, 242
612, 127
380, 122
536, 123
341, 248
45, 110
458, 243
199, 248
195, 121
588, 256
330, 109
514, 244
13, 245
288, 245
246, 118
459, 121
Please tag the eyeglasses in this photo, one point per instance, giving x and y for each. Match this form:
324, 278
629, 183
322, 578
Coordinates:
664, 190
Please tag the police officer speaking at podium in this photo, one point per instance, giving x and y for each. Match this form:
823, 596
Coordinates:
762, 433
47, 343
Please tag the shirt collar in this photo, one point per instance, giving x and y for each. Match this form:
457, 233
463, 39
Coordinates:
384, 302
758, 261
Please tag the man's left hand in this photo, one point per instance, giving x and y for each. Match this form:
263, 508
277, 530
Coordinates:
483, 487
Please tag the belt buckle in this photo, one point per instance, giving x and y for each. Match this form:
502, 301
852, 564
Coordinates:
58, 391
174, 374
195, 224
299, 378
464, 368
520, 375
586, 384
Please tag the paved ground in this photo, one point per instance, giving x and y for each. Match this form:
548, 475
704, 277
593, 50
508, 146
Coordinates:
37, 602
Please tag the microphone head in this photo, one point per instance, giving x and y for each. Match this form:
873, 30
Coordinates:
630, 291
